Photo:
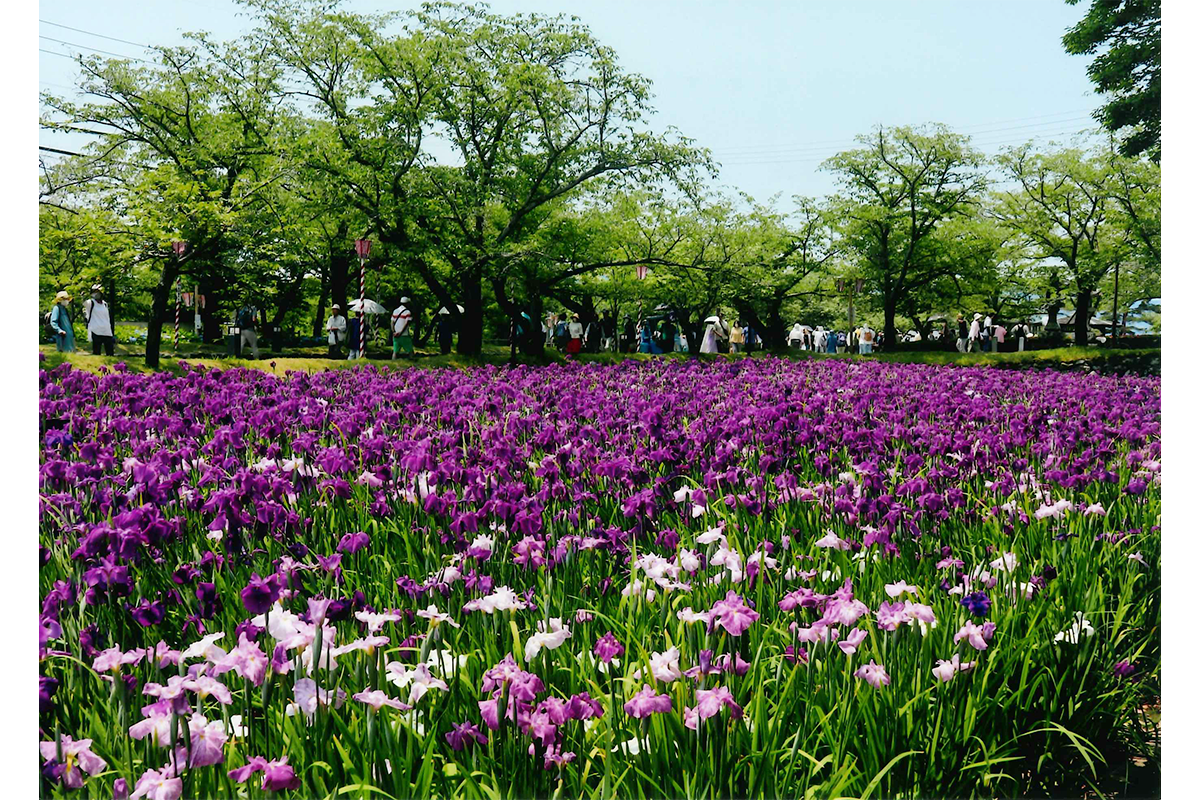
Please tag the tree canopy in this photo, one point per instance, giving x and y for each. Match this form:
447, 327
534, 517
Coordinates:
507, 165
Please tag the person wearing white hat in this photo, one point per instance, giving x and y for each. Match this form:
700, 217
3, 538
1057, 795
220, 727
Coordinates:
99, 322
713, 332
60, 322
336, 326
402, 329
974, 335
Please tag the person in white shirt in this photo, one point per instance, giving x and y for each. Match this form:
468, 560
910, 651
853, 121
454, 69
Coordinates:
796, 337
402, 329
575, 332
337, 330
99, 322
866, 339
973, 335
819, 339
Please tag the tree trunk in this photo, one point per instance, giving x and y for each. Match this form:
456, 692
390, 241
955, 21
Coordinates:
889, 322
158, 311
1083, 315
470, 323
210, 317
319, 322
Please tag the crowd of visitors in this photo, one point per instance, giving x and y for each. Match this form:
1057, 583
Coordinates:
655, 333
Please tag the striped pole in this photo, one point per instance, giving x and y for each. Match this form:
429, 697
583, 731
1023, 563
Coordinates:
362, 307
176, 321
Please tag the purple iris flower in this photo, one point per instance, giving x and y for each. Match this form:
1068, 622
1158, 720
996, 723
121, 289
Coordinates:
351, 543
147, 614
647, 702
607, 648
278, 776
977, 603
261, 593
465, 734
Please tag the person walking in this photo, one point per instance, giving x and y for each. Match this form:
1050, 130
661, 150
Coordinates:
819, 336
1019, 332
592, 336
667, 334
574, 335
402, 330
712, 333
608, 329
974, 335
247, 321
355, 334
998, 332
866, 339
99, 322
60, 323
796, 337
445, 335
646, 343
961, 342
832, 341
737, 338
336, 328
751, 337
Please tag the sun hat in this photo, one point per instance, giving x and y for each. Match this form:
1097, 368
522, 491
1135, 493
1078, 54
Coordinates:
63, 295
97, 287
405, 300
335, 305
979, 316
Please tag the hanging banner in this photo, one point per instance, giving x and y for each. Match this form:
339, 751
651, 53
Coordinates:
362, 247
641, 272
858, 286
178, 247
841, 286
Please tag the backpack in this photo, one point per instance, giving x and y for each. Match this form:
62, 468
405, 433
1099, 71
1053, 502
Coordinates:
245, 318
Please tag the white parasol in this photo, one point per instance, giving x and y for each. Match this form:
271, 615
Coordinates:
371, 307
714, 318
446, 312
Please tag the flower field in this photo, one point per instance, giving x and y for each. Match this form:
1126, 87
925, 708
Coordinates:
732, 579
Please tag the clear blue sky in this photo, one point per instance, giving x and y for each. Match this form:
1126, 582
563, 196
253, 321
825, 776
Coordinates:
773, 88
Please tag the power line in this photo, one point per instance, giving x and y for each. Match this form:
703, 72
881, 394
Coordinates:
817, 155
732, 148
55, 53
816, 158
94, 49
92, 33
798, 149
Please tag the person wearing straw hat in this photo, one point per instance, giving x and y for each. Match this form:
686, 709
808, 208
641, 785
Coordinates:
402, 329
99, 322
336, 326
60, 323
445, 330
974, 335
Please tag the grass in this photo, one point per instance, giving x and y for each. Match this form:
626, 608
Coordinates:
313, 359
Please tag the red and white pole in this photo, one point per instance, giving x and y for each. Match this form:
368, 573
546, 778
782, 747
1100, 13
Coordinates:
363, 248
178, 247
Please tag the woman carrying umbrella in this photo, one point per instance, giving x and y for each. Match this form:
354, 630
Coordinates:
713, 332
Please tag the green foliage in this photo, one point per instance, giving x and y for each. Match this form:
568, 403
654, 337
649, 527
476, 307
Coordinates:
1126, 38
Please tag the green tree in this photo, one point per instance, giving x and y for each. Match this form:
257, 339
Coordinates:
1063, 212
197, 128
898, 189
1127, 34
